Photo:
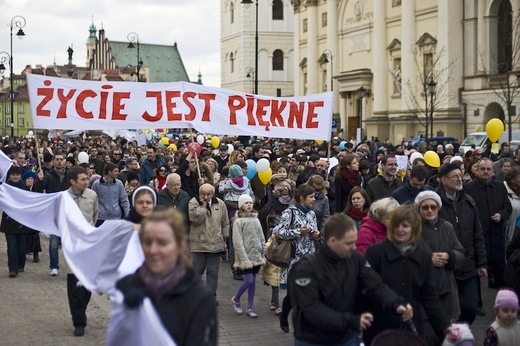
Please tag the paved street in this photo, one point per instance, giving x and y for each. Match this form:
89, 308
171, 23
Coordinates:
34, 310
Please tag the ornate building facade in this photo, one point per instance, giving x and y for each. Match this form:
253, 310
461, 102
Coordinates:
396, 50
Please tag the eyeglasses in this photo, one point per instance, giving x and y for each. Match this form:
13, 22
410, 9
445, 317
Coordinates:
117, 154
432, 207
202, 172
163, 170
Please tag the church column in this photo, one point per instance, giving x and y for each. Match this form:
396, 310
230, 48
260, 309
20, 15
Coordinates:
297, 72
380, 61
482, 47
312, 48
408, 65
332, 45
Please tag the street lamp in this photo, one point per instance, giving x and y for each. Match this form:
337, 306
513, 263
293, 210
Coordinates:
134, 38
5, 58
250, 73
431, 90
16, 22
362, 93
328, 53
247, 3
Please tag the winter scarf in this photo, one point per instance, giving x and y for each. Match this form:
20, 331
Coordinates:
351, 177
357, 214
160, 285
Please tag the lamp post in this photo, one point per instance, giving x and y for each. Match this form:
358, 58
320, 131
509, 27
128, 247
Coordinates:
247, 3
362, 93
328, 53
431, 90
134, 38
5, 58
251, 73
16, 22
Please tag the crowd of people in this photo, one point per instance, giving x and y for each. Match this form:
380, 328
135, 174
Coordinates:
376, 245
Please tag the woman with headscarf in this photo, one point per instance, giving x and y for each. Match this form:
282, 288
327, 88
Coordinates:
447, 254
33, 238
144, 200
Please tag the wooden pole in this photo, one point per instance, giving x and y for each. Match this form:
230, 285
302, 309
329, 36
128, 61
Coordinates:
196, 159
37, 150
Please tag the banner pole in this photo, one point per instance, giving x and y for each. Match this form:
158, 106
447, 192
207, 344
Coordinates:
37, 149
196, 158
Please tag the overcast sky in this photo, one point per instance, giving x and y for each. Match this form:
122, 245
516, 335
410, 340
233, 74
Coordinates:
53, 25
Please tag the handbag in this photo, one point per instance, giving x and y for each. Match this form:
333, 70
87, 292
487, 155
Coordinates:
279, 252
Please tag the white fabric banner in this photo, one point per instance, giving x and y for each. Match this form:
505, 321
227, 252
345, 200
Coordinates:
97, 256
63, 103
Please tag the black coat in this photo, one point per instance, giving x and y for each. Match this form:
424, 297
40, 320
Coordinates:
378, 187
188, 312
411, 277
491, 198
52, 183
342, 189
323, 288
463, 216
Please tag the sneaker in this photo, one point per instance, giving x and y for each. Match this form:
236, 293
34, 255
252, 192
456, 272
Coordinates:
250, 313
54, 272
236, 306
79, 331
272, 307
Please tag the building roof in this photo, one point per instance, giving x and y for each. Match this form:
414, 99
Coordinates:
164, 62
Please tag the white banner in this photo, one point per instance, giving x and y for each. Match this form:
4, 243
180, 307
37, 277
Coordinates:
63, 103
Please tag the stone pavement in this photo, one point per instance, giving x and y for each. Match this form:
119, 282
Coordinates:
34, 310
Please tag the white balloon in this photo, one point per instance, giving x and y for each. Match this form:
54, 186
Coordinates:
414, 156
231, 148
83, 157
200, 139
30, 134
262, 165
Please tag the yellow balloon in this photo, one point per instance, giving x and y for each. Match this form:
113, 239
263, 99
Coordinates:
432, 159
265, 176
165, 141
494, 129
319, 141
173, 147
215, 141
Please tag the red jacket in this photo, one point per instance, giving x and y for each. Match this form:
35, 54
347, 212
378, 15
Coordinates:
370, 232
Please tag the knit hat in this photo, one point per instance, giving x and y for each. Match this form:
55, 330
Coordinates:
144, 187
422, 196
47, 157
132, 176
460, 335
71, 160
243, 199
506, 299
456, 159
14, 170
28, 174
447, 168
235, 171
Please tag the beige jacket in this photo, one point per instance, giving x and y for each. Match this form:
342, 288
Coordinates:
208, 230
87, 203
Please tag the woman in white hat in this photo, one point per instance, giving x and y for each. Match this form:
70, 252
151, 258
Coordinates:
447, 254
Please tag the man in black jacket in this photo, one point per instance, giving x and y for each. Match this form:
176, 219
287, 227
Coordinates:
459, 209
53, 181
323, 287
494, 210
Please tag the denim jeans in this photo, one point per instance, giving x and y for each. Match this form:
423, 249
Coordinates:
16, 245
54, 244
353, 341
209, 262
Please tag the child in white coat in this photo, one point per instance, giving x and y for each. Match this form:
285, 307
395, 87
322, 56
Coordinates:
249, 243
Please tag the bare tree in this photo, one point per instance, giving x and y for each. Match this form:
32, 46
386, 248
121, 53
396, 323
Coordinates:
430, 91
503, 75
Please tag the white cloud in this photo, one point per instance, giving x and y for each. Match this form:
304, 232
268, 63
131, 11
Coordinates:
53, 25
